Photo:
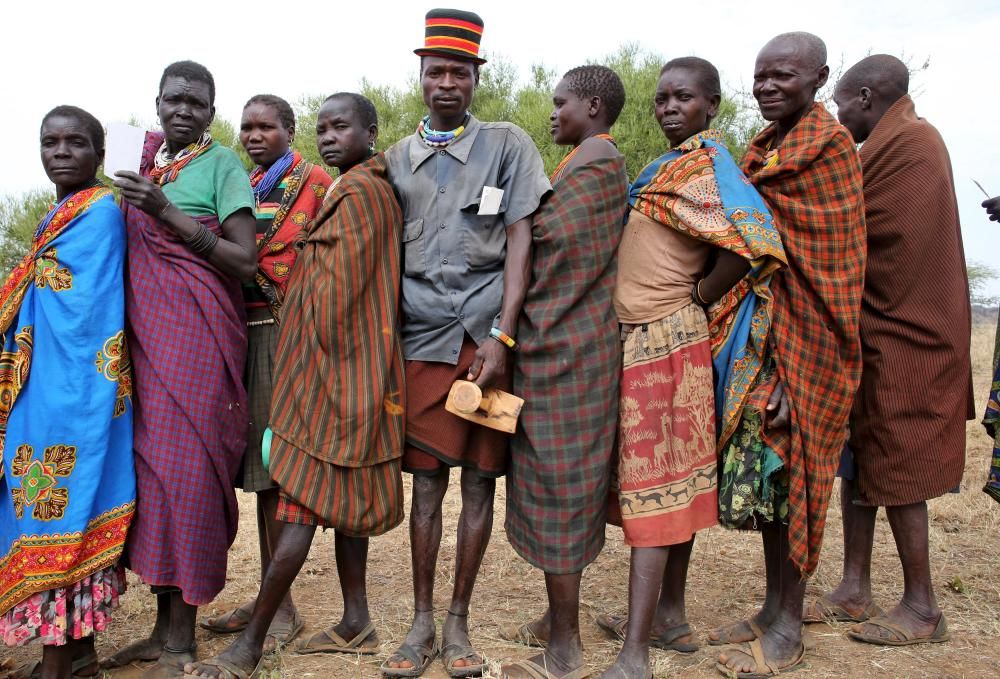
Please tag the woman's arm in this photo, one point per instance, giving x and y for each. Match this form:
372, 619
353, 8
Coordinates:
726, 272
234, 254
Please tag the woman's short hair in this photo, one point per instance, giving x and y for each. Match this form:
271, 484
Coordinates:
284, 110
708, 74
594, 80
91, 124
192, 71
367, 115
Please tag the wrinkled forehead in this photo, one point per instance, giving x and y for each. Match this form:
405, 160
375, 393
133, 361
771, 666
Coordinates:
179, 85
64, 125
784, 51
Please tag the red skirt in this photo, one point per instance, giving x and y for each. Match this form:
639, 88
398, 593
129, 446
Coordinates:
665, 485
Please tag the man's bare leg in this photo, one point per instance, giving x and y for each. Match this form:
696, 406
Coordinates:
854, 593
741, 631
917, 612
425, 542
564, 649
475, 525
646, 571
782, 638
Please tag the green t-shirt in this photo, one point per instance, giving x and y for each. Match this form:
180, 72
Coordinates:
214, 183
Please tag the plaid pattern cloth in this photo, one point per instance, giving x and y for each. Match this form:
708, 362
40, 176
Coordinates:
815, 194
338, 372
567, 370
187, 339
262, 345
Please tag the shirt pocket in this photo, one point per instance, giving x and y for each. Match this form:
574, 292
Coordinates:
413, 249
484, 238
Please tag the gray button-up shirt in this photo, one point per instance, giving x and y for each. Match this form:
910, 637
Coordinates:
454, 257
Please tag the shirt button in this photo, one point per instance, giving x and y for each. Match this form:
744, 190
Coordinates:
461, 316
442, 152
441, 190
444, 226
454, 351
444, 261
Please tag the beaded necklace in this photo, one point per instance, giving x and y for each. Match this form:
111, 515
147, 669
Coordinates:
264, 182
437, 139
166, 165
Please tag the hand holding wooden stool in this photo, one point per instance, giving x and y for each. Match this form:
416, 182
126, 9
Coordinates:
491, 408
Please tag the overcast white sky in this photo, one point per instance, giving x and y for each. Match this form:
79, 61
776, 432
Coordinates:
107, 57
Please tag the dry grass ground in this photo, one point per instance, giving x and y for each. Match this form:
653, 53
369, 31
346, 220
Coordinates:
726, 582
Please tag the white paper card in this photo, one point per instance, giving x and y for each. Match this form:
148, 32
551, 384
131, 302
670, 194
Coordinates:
489, 203
124, 148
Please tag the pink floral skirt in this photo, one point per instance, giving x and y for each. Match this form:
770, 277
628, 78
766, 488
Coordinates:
58, 615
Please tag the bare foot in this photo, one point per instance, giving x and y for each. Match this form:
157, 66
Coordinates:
420, 636
140, 651
534, 633
238, 656
906, 624
780, 653
456, 647
549, 664
623, 670
738, 632
170, 665
232, 621
840, 605
283, 629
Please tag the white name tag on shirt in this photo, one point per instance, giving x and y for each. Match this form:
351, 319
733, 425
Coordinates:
489, 202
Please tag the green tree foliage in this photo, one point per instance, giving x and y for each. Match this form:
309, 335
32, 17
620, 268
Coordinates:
19, 217
501, 96
980, 276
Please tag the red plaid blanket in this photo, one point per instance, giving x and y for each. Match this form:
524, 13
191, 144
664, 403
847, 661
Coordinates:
815, 194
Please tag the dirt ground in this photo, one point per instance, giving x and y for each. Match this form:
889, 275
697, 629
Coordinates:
725, 583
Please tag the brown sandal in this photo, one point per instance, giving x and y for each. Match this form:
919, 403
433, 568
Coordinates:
824, 610
337, 644
900, 636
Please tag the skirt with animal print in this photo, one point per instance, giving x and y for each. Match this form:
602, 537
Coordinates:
666, 484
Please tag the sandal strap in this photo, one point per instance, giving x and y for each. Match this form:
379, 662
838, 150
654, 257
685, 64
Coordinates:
530, 668
900, 633
416, 655
459, 652
674, 633
231, 671
757, 653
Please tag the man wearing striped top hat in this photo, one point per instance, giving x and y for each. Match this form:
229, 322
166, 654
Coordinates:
468, 190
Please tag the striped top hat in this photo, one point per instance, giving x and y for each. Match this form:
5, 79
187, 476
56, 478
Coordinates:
454, 34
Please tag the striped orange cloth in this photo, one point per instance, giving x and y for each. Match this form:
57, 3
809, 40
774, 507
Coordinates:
338, 374
814, 191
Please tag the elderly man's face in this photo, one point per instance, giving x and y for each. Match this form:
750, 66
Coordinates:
784, 80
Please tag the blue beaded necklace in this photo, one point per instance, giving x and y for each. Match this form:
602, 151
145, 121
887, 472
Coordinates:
262, 188
434, 137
